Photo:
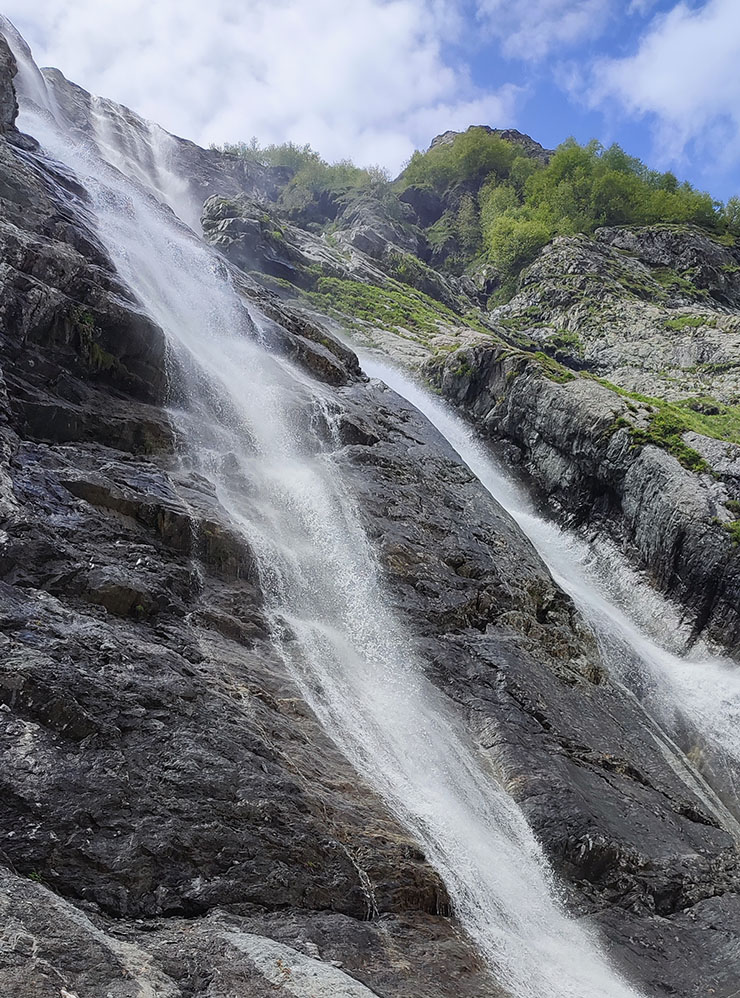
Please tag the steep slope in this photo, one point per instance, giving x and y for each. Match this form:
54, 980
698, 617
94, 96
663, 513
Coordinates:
157, 759
628, 417
633, 426
177, 821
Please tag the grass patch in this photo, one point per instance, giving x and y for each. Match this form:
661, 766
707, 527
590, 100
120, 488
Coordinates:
724, 424
552, 370
690, 322
387, 307
665, 430
566, 342
670, 420
463, 369
637, 287
676, 283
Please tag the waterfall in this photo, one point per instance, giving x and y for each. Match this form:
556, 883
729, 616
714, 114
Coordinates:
252, 426
696, 696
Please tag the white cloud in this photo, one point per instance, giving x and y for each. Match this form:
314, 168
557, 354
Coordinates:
366, 79
530, 29
684, 76
641, 7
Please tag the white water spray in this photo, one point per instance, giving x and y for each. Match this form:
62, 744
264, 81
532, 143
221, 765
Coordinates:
254, 434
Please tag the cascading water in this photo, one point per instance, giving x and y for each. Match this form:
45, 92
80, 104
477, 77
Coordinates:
144, 156
696, 696
255, 434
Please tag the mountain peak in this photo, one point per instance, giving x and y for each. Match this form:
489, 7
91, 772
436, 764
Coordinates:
513, 135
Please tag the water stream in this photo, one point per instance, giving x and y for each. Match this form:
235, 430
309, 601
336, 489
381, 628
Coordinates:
695, 695
261, 430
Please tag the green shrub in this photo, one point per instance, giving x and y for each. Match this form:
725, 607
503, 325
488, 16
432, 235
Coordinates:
472, 155
287, 154
513, 242
731, 215
580, 189
468, 227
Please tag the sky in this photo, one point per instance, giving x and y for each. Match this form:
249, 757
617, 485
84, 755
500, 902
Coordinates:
372, 80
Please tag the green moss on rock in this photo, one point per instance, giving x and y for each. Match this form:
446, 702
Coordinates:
690, 322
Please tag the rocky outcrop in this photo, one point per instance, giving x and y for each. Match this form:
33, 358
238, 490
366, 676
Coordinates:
59, 287
704, 261
653, 309
588, 451
251, 238
8, 102
257, 238
367, 225
249, 234
426, 202
653, 312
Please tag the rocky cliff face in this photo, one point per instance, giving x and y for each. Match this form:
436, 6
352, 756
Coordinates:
629, 428
589, 451
175, 822
654, 310
613, 371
